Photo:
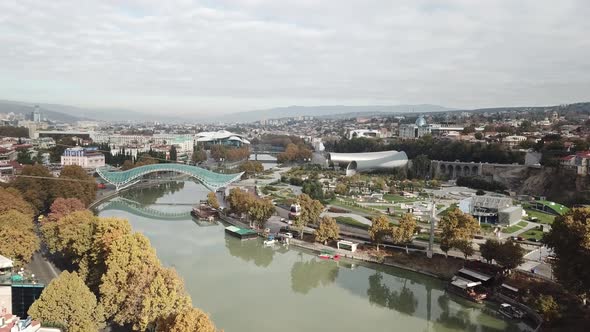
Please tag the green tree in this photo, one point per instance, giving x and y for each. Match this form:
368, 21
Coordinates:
24, 157
489, 250
18, 240
456, 227
510, 254
548, 308
465, 246
64, 206
173, 153
570, 240
67, 302
260, 210
421, 166
310, 212
35, 186
199, 154
328, 230
188, 320
212, 200
313, 189
379, 229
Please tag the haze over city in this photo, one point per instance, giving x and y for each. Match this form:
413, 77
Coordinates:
199, 57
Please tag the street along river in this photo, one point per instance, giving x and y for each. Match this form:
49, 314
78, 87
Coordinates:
248, 287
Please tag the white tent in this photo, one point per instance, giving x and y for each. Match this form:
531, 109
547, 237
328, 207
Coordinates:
5, 263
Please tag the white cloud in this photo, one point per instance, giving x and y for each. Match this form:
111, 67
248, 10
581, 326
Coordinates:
197, 56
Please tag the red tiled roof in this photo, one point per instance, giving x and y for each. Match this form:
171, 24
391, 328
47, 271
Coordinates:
570, 157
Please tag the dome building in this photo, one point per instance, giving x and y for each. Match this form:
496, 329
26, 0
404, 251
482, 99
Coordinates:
418, 129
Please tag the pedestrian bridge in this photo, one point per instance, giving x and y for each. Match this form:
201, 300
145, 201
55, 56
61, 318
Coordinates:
125, 179
138, 209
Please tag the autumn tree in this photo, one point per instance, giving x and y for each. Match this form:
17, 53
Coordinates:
569, 239
129, 257
251, 167
212, 200
259, 210
188, 320
341, 189
18, 239
464, 246
379, 229
67, 302
76, 183
239, 200
327, 230
106, 231
64, 206
404, 232
310, 212
12, 200
70, 236
455, 227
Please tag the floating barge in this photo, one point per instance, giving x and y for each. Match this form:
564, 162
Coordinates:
241, 233
204, 212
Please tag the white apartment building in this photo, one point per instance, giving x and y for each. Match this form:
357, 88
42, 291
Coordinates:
84, 158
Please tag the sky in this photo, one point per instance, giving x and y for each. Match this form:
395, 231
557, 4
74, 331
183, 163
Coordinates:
221, 56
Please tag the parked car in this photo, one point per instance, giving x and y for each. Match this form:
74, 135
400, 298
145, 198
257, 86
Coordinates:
288, 235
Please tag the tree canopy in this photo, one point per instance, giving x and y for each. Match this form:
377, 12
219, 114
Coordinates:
457, 231
310, 212
379, 229
327, 230
76, 183
260, 210
212, 200
404, 232
64, 206
67, 302
570, 240
18, 239
188, 320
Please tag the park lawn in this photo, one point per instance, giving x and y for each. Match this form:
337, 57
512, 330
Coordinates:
351, 222
398, 198
532, 233
514, 228
340, 204
542, 217
450, 208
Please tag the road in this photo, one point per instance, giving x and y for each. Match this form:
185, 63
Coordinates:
43, 270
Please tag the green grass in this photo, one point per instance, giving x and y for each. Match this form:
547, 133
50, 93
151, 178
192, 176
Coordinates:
514, 228
339, 204
532, 233
542, 217
351, 222
398, 198
451, 207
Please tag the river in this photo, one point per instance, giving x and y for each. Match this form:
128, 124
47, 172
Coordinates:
248, 287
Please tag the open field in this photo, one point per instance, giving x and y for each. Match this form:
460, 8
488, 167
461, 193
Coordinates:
542, 217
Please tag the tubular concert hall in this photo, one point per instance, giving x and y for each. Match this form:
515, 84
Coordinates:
370, 161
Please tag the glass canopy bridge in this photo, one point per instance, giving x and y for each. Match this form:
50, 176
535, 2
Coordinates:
125, 179
138, 209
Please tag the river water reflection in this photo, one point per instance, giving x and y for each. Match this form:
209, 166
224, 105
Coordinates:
248, 287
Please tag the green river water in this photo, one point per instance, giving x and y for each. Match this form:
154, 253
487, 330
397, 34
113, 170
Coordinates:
248, 287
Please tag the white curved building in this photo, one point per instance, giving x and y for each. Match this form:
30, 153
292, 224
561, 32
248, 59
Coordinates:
370, 161
221, 137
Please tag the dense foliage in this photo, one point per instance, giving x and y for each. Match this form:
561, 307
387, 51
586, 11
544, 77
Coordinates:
434, 149
477, 183
9, 131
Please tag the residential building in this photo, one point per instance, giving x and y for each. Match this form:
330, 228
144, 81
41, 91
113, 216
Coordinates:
85, 158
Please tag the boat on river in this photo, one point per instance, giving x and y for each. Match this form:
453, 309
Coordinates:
468, 289
510, 311
204, 212
329, 254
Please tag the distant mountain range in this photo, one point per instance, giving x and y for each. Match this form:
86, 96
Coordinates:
328, 111
65, 113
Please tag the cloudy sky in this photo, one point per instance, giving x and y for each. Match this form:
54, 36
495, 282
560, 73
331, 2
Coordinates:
218, 56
